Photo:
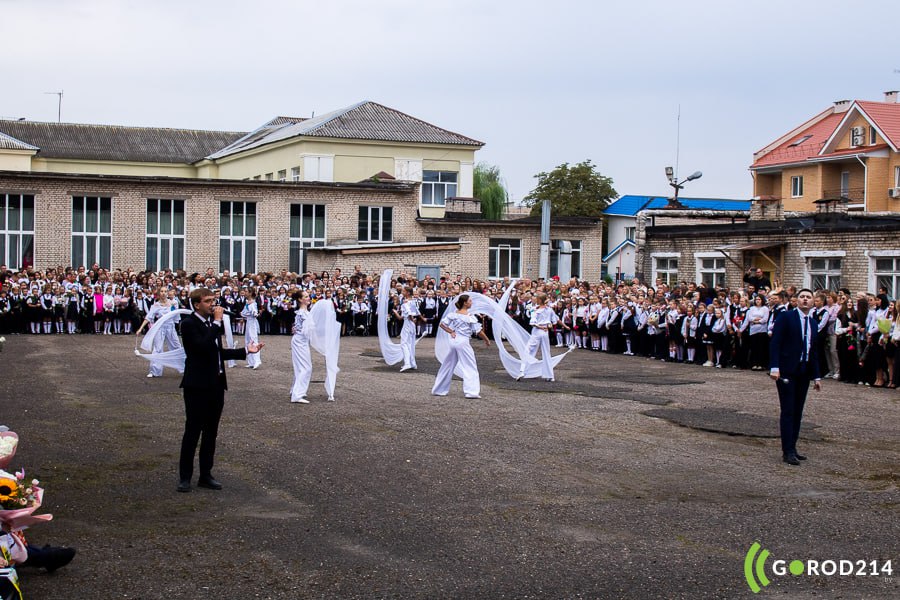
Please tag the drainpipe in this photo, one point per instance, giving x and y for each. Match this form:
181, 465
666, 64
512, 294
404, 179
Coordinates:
865, 183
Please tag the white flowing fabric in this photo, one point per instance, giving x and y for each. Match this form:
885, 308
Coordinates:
503, 325
325, 338
174, 359
392, 352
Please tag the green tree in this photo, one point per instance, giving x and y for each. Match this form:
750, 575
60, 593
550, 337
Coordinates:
578, 191
490, 190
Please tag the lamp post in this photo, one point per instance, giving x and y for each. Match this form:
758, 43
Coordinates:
678, 185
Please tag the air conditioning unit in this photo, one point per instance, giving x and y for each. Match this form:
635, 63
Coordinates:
857, 136
894, 192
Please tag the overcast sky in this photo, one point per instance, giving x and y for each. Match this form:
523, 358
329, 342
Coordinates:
541, 83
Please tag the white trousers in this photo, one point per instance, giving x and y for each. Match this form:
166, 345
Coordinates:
461, 355
251, 334
408, 344
302, 365
167, 337
540, 340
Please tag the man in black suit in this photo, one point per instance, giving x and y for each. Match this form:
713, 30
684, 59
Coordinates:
204, 386
793, 363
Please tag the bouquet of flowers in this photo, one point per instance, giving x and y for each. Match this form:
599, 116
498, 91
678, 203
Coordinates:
8, 443
18, 502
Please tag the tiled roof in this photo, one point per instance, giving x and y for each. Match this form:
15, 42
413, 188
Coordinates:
362, 121
785, 153
114, 142
855, 150
886, 116
11, 143
629, 206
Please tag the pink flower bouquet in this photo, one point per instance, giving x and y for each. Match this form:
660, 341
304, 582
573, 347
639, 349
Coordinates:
18, 502
8, 443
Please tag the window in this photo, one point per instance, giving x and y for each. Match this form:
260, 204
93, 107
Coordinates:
237, 236
824, 273
896, 176
307, 231
665, 268
873, 136
282, 175
268, 177
711, 270
576, 258
376, 223
295, 173
318, 168
437, 186
17, 230
887, 274
165, 234
845, 184
91, 231
799, 141
796, 186
629, 233
505, 258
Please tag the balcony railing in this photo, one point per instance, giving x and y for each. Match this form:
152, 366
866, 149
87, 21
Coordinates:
851, 195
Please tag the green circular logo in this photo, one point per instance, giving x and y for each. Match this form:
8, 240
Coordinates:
796, 567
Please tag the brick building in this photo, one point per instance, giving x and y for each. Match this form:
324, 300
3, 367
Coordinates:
826, 249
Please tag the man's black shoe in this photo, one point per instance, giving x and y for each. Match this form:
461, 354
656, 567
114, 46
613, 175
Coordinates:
791, 459
55, 557
800, 457
209, 483
184, 486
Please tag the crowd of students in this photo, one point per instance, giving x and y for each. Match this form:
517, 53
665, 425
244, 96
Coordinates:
689, 323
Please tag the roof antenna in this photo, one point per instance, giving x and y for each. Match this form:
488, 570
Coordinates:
59, 105
313, 115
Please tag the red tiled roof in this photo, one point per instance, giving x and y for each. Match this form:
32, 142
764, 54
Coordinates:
854, 150
886, 116
784, 154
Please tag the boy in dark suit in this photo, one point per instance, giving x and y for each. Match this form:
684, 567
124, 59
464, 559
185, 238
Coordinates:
793, 363
204, 386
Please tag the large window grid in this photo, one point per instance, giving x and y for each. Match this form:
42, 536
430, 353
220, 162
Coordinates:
576, 257
165, 234
437, 186
824, 273
887, 274
91, 231
504, 258
17, 230
307, 230
666, 270
376, 224
237, 236
711, 271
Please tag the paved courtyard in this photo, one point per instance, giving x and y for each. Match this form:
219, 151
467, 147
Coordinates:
627, 478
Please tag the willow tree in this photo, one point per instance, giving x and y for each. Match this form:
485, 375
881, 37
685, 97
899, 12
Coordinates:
490, 190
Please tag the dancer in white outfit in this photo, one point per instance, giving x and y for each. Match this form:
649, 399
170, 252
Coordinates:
300, 355
542, 319
250, 313
460, 325
167, 336
410, 315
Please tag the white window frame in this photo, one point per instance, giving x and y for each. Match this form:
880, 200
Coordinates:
18, 232
299, 243
796, 186
873, 256
429, 187
165, 238
231, 238
699, 257
375, 213
655, 272
318, 167
83, 236
827, 272
897, 176
873, 136
295, 173
282, 175
497, 246
577, 246
633, 231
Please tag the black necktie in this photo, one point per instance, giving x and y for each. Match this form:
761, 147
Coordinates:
804, 323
